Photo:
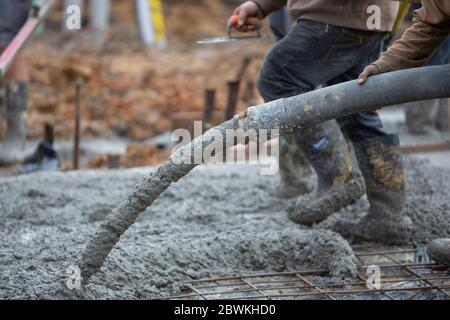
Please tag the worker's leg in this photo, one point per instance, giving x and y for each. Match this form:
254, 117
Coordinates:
13, 14
443, 114
2, 102
381, 162
280, 23
421, 116
443, 117
311, 54
16, 106
338, 185
15, 100
425, 117
296, 175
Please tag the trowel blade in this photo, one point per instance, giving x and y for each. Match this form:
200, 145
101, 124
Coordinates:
231, 39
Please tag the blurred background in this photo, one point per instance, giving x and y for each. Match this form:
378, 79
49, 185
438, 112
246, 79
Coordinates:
133, 92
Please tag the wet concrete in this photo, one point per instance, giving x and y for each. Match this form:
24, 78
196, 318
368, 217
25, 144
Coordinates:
428, 206
437, 159
218, 220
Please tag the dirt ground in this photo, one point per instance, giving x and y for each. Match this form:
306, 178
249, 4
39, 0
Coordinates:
130, 90
218, 220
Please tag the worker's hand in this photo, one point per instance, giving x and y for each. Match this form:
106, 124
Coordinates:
247, 17
368, 71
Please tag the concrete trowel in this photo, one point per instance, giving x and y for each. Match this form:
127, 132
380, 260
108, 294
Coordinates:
230, 38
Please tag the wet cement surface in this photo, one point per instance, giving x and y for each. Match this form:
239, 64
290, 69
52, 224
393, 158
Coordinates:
218, 220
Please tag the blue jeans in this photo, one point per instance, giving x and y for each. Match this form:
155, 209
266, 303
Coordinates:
313, 53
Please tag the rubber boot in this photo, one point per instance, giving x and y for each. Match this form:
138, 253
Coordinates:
443, 117
439, 251
2, 103
296, 175
381, 163
12, 149
421, 117
338, 185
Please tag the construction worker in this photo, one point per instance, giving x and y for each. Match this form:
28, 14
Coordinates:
329, 45
431, 27
14, 86
430, 116
295, 173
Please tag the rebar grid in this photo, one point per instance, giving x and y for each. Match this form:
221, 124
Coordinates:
400, 280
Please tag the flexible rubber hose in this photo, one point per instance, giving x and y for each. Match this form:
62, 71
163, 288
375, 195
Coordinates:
284, 114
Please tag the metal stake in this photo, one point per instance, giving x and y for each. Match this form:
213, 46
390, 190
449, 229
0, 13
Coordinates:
210, 102
233, 93
76, 140
49, 133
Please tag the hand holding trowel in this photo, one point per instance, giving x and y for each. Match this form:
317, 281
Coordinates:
244, 20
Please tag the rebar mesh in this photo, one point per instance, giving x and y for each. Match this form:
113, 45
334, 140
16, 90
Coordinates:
401, 279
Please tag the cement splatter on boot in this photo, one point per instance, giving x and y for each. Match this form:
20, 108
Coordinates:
439, 251
381, 162
338, 186
296, 175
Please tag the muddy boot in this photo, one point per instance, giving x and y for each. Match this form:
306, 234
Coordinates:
338, 186
2, 104
381, 162
421, 117
296, 175
12, 148
439, 251
443, 117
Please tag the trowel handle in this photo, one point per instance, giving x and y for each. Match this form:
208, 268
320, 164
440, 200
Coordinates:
234, 20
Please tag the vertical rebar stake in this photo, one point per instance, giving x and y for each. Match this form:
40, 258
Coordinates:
210, 102
249, 94
233, 93
49, 135
76, 139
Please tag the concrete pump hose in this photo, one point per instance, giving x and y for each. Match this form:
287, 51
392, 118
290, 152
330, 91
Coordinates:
348, 98
284, 114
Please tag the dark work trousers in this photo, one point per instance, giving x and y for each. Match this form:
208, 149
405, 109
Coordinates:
313, 53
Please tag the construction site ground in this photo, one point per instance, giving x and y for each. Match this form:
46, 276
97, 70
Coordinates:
217, 221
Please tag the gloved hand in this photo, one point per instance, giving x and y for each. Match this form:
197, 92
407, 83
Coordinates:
247, 17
